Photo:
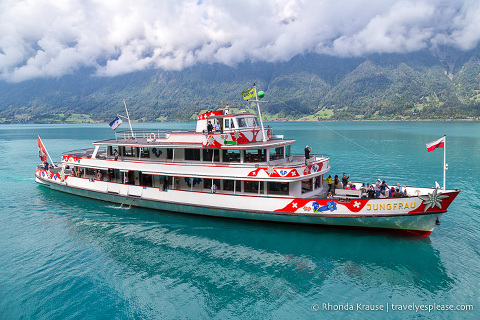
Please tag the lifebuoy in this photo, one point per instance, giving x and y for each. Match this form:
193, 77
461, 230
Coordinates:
152, 134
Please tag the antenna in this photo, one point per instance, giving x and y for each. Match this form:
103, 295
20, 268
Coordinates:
127, 117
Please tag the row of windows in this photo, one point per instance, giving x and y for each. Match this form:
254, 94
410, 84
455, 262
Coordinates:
182, 183
232, 155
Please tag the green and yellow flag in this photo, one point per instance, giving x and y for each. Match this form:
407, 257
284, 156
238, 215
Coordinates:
248, 94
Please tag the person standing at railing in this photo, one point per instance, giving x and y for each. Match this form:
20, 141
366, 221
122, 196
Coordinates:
345, 180
307, 153
329, 182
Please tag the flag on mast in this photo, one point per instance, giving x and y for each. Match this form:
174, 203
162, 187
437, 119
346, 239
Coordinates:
115, 123
248, 94
42, 152
440, 143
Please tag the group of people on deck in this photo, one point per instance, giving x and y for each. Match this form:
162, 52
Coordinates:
377, 190
213, 128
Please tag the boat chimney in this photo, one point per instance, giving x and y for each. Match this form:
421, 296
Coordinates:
227, 109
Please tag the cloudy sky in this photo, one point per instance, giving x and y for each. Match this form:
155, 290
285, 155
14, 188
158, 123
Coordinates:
50, 38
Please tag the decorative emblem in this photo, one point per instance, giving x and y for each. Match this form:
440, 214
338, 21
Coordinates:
237, 134
330, 206
357, 204
157, 152
315, 168
283, 172
210, 141
270, 170
433, 199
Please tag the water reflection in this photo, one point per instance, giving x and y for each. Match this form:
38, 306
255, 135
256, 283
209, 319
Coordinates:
224, 262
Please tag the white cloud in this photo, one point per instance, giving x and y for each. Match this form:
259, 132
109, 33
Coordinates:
50, 38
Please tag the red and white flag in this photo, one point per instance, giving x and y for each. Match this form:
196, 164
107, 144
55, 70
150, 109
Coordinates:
440, 143
42, 152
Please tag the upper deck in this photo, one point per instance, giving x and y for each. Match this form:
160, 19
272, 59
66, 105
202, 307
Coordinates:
235, 147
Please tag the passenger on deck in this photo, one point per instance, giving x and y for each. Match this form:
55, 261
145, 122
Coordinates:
399, 188
371, 192
383, 188
210, 127
377, 188
345, 180
125, 178
99, 175
330, 195
72, 172
307, 153
336, 183
45, 165
391, 192
115, 154
397, 194
329, 183
217, 126
352, 186
214, 188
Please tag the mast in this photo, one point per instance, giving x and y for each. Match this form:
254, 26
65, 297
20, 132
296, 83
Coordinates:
259, 113
128, 117
445, 166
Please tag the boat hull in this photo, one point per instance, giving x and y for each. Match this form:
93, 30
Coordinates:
415, 222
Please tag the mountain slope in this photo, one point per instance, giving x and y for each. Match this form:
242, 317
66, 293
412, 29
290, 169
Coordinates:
440, 84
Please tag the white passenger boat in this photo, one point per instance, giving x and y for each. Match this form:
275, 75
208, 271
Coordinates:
242, 171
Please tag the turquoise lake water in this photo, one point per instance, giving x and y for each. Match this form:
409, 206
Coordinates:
66, 257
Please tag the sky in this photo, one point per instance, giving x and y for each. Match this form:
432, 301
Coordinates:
51, 38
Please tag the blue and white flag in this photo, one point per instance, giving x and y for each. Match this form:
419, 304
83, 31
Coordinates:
115, 123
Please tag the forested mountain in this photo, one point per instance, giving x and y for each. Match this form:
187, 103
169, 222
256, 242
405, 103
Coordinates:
423, 85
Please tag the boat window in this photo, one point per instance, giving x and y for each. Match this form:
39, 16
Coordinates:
228, 185
307, 185
255, 155
241, 122
169, 153
130, 152
90, 173
252, 186
145, 179
276, 153
227, 123
281, 188
145, 152
207, 183
288, 151
251, 122
207, 154
192, 154
231, 155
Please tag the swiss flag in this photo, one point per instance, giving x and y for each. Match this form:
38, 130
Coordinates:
42, 152
440, 143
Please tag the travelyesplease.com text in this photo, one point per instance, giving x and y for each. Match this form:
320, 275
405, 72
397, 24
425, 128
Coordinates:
391, 307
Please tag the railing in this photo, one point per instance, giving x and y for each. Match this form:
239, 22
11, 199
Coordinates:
295, 160
127, 134
80, 153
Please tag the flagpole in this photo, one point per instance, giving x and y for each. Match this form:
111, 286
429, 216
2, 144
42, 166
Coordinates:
128, 117
444, 160
259, 113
